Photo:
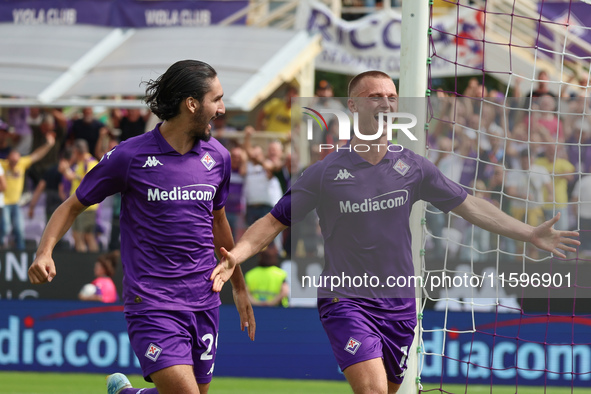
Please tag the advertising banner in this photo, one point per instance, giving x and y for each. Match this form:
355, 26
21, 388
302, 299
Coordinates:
75, 336
480, 348
120, 13
373, 42
485, 348
577, 17
74, 270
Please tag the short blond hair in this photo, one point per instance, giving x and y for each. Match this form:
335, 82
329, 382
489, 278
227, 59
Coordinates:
366, 74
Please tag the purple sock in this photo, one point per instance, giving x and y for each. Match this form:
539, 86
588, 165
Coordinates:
139, 391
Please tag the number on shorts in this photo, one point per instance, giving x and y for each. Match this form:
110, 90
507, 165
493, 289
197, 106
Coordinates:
206, 355
404, 350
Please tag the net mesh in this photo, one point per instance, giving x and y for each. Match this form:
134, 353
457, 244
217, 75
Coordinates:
512, 127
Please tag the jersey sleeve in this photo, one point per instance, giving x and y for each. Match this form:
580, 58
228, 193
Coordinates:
301, 198
439, 190
221, 196
108, 177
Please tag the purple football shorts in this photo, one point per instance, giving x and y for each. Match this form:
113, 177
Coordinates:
161, 339
357, 336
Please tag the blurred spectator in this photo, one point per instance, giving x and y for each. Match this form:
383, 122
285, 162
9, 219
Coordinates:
2, 190
516, 142
495, 155
106, 142
47, 124
65, 185
474, 93
543, 87
15, 166
276, 113
492, 140
577, 130
330, 138
115, 234
61, 121
475, 89
87, 128
267, 283
275, 162
131, 122
304, 238
527, 186
5, 139
477, 238
103, 287
467, 150
449, 164
498, 196
288, 171
325, 97
261, 189
20, 119
84, 227
235, 204
220, 129
563, 172
324, 90
49, 186
496, 184
577, 86
544, 119
582, 195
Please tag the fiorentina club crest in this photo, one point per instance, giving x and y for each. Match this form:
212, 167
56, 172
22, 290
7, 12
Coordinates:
352, 345
153, 352
401, 167
208, 161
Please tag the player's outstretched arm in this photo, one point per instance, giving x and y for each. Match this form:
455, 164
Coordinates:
222, 239
43, 268
259, 235
485, 215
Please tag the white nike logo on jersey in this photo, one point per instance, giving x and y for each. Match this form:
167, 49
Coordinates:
343, 174
152, 162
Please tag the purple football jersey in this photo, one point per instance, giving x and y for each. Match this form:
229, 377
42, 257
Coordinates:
166, 218
364, 217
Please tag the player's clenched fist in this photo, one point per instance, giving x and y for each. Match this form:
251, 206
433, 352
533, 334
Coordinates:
42, 270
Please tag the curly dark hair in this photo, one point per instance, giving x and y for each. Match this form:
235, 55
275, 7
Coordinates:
185, 78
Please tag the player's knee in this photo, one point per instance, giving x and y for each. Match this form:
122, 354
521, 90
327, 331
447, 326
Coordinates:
369, 386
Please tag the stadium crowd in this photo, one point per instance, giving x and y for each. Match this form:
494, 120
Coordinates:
530, 156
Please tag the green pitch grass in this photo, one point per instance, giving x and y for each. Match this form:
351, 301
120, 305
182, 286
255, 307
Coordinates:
74, 383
